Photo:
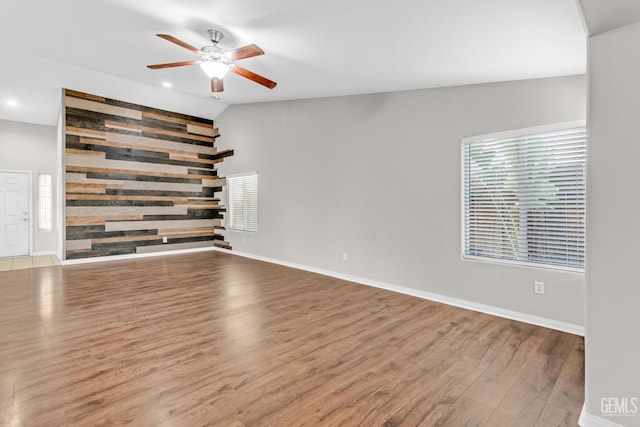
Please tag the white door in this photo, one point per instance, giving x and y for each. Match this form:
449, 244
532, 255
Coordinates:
14, 214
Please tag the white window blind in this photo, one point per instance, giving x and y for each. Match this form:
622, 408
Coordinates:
524, 197
243, 202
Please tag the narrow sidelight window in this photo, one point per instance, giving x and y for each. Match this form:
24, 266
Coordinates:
45, 202
243, 201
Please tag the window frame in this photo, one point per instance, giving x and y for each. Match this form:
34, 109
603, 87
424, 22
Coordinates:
503, 135
229, 213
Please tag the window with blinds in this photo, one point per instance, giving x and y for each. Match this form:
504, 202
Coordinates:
242, 193
524, 196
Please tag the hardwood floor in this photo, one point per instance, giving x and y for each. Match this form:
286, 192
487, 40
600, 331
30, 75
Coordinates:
215, 339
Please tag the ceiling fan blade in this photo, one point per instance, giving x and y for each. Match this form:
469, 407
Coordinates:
245, 52
216, 85
254, 77
179, 43
172, 64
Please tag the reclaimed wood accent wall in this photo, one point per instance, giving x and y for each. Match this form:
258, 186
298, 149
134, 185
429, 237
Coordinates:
136, 176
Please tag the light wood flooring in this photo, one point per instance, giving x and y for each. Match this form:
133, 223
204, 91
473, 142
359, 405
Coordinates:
215, 339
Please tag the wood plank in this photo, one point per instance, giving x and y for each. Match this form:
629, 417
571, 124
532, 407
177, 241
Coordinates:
224, 153
122, 126
201, 130
191, 159
72, 168
526, 399
181, 120
82, 95
125, 210
90, 188
161, 186
98, 134
185, 229
90, 161
466, 412
100, 220
140, 128
81, 178
85, 152
141, 225
75, 178
186, 150
570, 384
174, 247
139, 156
101, 107
177, 200
142, 142
494, 382
220, 182
211, 203
467, 369
153, 237
72, 245
125, 239
160, 111
557, 417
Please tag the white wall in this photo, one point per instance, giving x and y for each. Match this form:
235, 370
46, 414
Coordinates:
613, 230
378, 176
29, 147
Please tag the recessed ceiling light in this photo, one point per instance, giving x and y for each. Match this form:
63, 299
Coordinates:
11, 103
168, 85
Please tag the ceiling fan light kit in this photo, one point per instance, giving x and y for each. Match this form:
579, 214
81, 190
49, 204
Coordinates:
215, 69
216, 61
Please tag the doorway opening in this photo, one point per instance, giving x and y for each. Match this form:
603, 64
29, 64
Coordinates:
15, 218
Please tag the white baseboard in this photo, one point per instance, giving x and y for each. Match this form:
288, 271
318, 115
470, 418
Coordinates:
44, 253
588, 420
134, 256
470, 305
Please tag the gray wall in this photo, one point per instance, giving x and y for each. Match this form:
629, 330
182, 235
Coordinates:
378, 176
613, 230
30, 147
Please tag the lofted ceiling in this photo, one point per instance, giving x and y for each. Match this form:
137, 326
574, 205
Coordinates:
313, 48
602, 16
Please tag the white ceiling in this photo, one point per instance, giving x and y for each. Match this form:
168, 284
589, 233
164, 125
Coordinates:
313, 48
602, 16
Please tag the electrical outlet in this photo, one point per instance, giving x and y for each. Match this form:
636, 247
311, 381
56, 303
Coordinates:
345, 256
538, 288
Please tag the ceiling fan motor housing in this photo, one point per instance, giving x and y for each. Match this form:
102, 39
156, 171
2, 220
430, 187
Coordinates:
214, 53
215, 36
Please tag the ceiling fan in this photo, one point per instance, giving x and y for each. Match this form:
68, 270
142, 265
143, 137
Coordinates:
216, 61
